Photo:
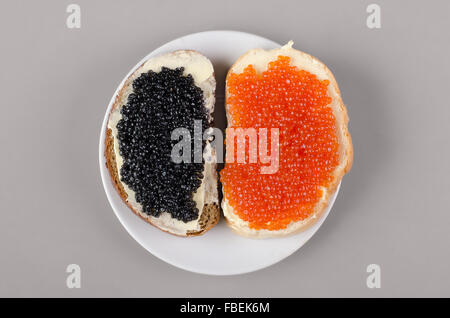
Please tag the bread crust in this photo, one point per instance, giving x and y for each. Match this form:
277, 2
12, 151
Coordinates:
240, 226
210, 213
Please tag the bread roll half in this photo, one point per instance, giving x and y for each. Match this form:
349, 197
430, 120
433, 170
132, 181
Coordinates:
260, 58
206, 196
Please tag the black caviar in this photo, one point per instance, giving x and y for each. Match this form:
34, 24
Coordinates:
159, 103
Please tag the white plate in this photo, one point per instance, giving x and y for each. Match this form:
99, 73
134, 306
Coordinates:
219, 251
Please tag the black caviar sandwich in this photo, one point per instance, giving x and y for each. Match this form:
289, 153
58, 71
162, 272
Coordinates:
166, 93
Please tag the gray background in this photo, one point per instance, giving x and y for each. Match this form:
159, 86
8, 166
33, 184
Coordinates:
393, 208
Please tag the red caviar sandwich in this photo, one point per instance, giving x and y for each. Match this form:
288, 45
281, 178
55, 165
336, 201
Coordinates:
294, 92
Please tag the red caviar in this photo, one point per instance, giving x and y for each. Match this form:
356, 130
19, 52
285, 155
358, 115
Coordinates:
296, 102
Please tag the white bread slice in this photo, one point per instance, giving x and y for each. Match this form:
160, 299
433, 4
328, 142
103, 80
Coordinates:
260, 58
206, 196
